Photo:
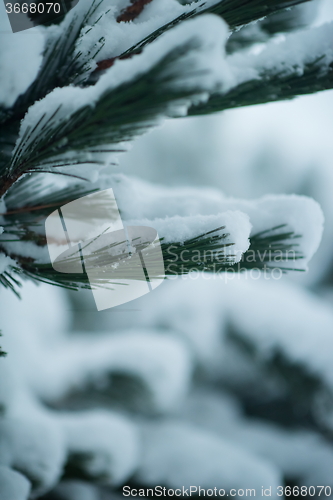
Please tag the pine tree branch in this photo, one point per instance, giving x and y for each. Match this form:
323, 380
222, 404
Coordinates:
27, 222
271, 86
118, 114
8, 137
60, 65
302, 389
269, 250
284, 21
31, 198
235, 13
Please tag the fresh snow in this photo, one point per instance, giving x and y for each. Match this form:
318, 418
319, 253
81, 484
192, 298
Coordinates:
299, 453
38, 441
119, 37
272, 314
33, 447
107, 442
300, 214
178, 229
287, 56
208, 73
227, 451
178, 455
181, 329
161, 362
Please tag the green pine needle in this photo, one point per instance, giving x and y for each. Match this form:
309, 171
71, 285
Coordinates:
59, 66
120, 114
270, 87
268, 250
271, 249
234, 12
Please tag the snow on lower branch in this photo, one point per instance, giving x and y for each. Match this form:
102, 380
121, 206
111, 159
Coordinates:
299, 215
234, 224
286, 57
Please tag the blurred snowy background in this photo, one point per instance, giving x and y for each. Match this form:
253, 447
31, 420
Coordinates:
203, 382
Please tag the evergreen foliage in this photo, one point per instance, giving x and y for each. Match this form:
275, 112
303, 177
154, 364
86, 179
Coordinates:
88, 101
62, 136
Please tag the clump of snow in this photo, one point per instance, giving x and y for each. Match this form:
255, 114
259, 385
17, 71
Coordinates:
304, 335
27, 249
180, 455
33, 447
25, 49
289, 56
178, 229
120, 37
107, 443
270, 314
162, 362
37, 441
301, 454
206, 60
300, 215
13, 485
141, 199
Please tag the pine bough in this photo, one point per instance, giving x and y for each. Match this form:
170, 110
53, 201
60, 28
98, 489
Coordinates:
99, 81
